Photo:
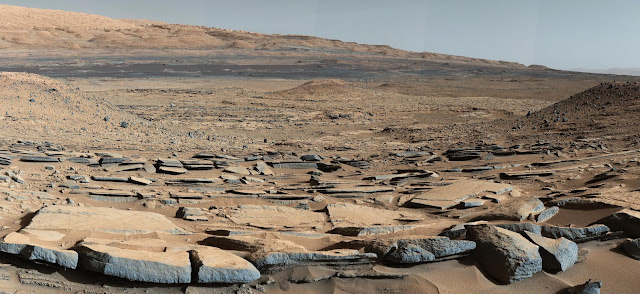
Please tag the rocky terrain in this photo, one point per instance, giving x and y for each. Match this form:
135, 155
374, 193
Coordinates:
251, 163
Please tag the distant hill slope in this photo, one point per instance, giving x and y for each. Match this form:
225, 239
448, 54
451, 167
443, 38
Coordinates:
30, 28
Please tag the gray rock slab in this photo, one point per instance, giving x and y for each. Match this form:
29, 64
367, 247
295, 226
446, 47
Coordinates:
219, 266
144, 266
574, 234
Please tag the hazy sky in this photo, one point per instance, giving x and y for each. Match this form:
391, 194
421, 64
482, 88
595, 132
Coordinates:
564, 34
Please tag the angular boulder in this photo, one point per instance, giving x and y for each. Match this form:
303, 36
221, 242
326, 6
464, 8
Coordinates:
218, 266
625, 220
505, 255
557, 254
632, 248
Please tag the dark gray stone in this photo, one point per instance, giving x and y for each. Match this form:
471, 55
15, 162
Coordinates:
574, 234
557, 254
505, 255
626, 220
590, 287
632, 248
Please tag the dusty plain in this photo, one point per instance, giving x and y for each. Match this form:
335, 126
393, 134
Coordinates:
143, 157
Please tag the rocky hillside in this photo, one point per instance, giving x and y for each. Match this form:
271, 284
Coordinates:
29, 28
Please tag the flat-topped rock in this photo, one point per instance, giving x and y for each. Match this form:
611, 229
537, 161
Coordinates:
264, 216
38, 159
267, 260
448, 196
172, 170
574, 234
349, 215
134, 265
419, 250
20, 244
237, 170
516, 209
218, 266
101, 219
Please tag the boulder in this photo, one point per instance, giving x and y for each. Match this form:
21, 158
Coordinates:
547, 214
505, 255
557, 254
625, 220
632, 248
218, 266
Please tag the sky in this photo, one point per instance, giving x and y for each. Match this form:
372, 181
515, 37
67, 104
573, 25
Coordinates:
566, 34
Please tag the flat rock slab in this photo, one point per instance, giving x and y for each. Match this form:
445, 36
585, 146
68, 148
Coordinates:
140, 181
516, 209
505, 255
172, 170
219, 266
419, 250
294, 165
557, 254
265, 216
358, 190
265, 261
20, 244
134, 265
38, 159
113, 193
237, 170
348, 215
448, 196
102, 219
185, 195
358, 231
110, 179
574, 234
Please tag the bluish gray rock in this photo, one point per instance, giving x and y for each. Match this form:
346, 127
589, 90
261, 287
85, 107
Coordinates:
574, 234
425, 249
557, 254
505, 255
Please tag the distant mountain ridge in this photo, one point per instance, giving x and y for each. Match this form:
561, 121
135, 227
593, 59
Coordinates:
44, 29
